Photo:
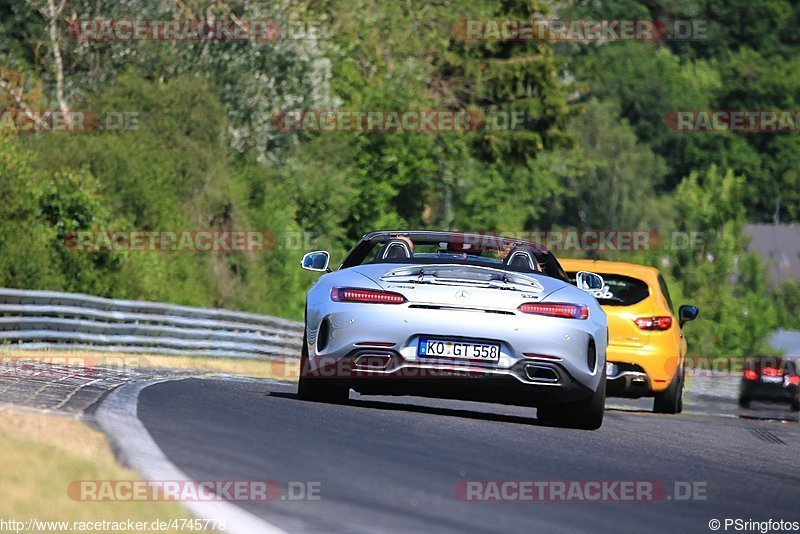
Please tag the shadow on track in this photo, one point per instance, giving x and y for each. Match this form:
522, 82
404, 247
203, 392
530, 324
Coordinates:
621, 409
785, 418
431, 410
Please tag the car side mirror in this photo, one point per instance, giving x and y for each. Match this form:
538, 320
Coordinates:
589, 281
316, 261
687, 313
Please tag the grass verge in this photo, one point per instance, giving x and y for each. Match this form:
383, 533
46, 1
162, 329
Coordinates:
42, 454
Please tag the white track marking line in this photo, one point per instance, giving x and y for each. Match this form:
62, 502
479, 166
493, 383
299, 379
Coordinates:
117, 416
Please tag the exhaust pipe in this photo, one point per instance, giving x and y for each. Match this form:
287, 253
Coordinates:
541, 373
372, 361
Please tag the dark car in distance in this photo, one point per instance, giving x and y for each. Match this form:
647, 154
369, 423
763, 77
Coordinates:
771, 380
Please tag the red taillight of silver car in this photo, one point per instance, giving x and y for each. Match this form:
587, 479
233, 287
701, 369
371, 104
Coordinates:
370, 296
556, 309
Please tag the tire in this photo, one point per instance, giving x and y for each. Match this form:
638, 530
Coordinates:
315, 389
583, 415
744, 402
671, 400
796, 405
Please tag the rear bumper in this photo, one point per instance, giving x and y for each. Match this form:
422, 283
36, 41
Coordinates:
768, 392
337, 331
627, 380
643, 370
387, 372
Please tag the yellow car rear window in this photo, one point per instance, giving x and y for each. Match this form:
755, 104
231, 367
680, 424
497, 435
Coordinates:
619, 290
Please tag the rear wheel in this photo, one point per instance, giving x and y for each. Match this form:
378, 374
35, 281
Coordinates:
671, 400
318, 389
584, 415
796, 405
744, 402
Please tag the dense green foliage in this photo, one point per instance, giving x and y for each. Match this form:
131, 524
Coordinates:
594, 151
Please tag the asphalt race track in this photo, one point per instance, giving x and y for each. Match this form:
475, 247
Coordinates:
391, 464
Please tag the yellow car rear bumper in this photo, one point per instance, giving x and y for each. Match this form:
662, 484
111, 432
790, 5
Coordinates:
658, 363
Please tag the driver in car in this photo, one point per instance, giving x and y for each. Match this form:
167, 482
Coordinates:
407, 241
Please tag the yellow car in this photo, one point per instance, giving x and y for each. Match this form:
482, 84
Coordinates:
646, 347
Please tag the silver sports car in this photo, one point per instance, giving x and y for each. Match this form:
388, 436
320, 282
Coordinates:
460, 316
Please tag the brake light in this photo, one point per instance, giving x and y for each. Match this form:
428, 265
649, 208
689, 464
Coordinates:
372, 296
794, 380
556, 309
771, 371
749, 374
654, 323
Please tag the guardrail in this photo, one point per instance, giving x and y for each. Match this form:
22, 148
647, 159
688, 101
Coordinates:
47, 319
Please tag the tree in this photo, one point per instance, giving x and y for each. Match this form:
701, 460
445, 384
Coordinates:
621, 175
726, 282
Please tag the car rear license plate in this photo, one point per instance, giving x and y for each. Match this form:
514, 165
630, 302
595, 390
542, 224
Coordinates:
466, 350
772, 379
